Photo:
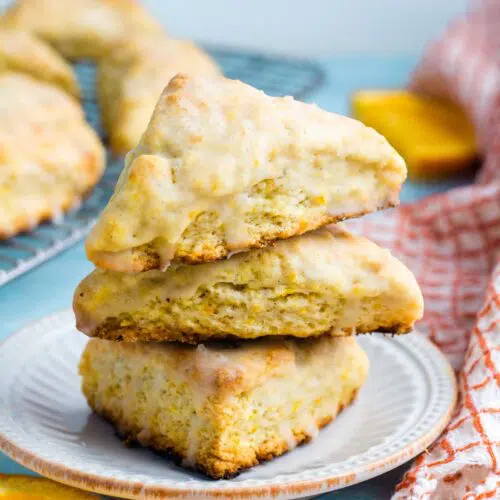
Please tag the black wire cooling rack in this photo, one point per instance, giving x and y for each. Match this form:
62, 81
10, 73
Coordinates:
273, 75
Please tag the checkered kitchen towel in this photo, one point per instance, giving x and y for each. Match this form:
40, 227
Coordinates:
452, 243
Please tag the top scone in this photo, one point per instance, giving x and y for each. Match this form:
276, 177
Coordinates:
80, 28
222, 167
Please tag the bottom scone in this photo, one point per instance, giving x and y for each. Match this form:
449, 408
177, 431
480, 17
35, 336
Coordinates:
222, 408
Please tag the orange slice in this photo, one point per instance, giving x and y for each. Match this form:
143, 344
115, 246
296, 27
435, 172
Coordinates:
17, 487
435, 137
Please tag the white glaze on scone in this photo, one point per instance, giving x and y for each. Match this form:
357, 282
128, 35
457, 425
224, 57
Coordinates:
24, 53
324, 281
50, 156
132, 77
224, 167
222, 408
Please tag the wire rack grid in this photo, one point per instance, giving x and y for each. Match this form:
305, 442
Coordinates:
275, 76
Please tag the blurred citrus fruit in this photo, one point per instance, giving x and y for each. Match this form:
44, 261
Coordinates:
435, 138
18, 487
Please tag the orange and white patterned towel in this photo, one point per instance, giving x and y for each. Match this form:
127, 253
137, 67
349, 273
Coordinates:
452, 243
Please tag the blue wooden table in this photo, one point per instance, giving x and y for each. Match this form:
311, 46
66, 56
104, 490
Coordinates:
49, 288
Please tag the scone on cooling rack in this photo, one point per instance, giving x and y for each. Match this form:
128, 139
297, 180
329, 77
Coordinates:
50, 157
81, 28
222, 167
222, 408
131, 79
22, 52
325, 281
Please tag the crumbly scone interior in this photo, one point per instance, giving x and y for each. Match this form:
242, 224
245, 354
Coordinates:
216, 175
202, 405
280, 208
327, 280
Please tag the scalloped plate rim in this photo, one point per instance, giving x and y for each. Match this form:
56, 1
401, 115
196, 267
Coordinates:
290, 489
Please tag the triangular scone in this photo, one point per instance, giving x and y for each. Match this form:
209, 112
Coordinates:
325, 281
81, 28
132, 77
24, 53
222, 167
50, 156
222, 408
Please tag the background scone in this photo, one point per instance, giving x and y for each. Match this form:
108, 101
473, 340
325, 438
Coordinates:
325, 281
50, 157
24, 53
132, 77
81, 28
222, 408
223, 167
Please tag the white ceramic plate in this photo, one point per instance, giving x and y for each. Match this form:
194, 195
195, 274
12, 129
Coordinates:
46, 425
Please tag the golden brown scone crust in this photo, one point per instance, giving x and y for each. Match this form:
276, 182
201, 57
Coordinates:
222, 408
327, 280
50, 156
81, 29
132, 77
24, 53
213, 466
222, 167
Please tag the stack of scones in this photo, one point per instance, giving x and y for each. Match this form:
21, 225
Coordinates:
223, 309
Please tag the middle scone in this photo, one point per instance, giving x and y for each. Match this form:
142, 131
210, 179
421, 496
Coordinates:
327, 280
